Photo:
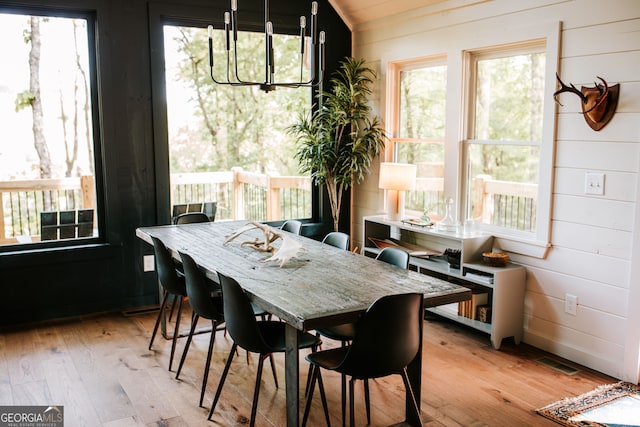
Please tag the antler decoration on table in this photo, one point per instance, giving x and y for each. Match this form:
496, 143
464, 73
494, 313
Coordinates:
288, 249
598, 102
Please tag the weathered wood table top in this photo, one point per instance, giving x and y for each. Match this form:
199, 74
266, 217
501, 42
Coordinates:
322, 286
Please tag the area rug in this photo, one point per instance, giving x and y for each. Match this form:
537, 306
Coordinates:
612, 405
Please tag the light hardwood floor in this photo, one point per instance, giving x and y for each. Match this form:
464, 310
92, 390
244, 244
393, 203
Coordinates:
100, 369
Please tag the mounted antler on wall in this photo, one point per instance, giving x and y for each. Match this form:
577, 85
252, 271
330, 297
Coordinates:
598, 102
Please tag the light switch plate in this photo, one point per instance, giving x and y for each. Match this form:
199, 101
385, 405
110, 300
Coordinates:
570, 304
594, 183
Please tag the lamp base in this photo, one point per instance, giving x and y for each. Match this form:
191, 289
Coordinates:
395, 205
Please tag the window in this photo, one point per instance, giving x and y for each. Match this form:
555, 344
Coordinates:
480, 126
418, 135
505, 137
47, 94
229, 145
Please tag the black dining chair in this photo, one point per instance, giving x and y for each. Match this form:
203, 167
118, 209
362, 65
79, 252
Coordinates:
338, 239
386, 342
346, 332
394, 256
292, 226
173, 284
206, 302
191, 218
263, 337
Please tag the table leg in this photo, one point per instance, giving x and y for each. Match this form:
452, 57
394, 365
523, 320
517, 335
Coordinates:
291, 364
414, 372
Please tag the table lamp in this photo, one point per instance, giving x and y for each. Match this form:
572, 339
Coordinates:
396, 178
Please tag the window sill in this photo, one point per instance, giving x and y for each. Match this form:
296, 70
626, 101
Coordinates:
531, 248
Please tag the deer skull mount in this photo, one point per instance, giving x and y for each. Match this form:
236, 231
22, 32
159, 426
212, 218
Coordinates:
598, 102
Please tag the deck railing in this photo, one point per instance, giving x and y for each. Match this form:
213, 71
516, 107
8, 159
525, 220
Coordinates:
248, 195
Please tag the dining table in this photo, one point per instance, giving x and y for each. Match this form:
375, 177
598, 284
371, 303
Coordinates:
318, 287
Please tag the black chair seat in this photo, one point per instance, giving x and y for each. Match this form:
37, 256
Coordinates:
273, 334
344, 332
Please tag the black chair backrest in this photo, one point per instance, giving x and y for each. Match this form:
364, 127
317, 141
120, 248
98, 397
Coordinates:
394, 256
210, 209
388, 337
166, 269
337, 239
191, 218
239, 317
198, 291
292, 226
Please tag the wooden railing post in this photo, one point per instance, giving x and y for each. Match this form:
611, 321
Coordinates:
238, 194
87, 187
480, 201
273, 200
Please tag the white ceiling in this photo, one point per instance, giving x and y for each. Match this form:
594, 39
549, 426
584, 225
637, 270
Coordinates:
356, 12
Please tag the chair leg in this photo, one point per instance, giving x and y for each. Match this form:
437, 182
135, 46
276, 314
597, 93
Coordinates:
176, 332
352, 415
165, 295
414, 403
367, 402
194, 322
306, 387
323, 397
223, 377
207, 364
343, 380
313, 373
256, 390
273, 369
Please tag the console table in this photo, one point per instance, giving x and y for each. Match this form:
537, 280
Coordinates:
502, 287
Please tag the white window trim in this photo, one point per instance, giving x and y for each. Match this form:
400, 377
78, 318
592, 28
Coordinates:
538, 243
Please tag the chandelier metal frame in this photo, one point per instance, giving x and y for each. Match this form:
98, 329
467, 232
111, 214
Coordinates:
269, 83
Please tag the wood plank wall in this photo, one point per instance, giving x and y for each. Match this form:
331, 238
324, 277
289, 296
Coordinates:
594, 253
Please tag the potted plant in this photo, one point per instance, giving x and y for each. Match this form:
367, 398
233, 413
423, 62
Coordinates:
338, 140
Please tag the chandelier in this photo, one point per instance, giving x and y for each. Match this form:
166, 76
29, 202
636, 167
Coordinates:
231, 30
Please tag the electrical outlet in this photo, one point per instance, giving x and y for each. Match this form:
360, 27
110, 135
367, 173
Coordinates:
570, 304
594, 183
148, 263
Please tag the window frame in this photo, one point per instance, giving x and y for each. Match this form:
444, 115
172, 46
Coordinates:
535, 243
395, 69
457, 125
90, 17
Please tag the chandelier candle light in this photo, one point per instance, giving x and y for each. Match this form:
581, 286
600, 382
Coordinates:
396, 178
269, 83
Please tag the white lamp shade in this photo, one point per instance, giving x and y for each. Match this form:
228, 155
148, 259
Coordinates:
397, 176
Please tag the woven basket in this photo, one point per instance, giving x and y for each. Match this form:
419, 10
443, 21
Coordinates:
495, 259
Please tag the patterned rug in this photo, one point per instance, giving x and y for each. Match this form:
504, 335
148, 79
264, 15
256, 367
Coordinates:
612, 405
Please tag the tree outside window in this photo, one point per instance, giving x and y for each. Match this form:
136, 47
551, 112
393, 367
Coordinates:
47, 162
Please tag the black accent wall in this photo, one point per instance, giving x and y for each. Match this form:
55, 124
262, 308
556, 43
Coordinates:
50, 283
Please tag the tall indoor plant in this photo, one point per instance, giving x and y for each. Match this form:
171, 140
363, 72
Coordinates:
339, 139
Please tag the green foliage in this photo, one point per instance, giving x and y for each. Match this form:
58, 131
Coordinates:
24, 100
338, 141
